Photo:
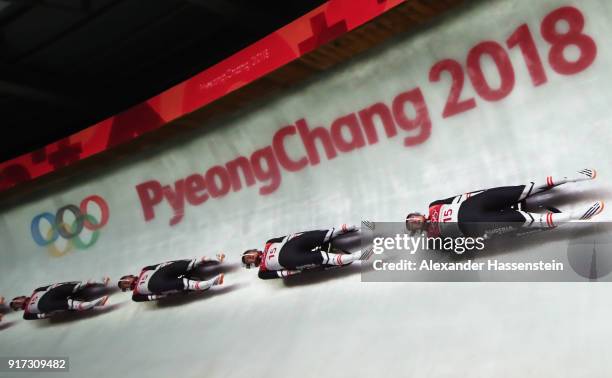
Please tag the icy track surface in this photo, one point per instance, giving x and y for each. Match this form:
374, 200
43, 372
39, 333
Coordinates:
335, 325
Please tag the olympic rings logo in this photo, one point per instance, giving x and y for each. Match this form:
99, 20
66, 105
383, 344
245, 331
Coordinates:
71, 232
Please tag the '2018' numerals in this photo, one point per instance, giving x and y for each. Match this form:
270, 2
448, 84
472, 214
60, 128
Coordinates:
523, 39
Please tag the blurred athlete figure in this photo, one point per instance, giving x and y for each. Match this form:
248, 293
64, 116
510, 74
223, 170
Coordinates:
485, 213
47, 300
159, 281
4, 309
295, 253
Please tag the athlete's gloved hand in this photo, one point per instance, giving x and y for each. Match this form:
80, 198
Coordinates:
105, 280
220, 257
286, 273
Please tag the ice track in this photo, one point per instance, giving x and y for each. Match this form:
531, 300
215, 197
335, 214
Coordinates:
334, 325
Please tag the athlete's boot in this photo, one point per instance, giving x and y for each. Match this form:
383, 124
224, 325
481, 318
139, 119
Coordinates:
551, 182
365, 255
584, 175
589, 212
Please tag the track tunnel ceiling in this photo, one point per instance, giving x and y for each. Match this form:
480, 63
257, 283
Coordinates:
67, 64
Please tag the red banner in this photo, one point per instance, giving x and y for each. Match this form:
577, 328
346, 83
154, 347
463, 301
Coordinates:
314, 29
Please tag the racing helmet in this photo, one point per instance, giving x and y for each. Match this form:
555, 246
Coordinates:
414, 222
18, 303
251, 252
127, 282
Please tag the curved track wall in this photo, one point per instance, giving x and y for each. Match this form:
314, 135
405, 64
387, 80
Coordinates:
376, 139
